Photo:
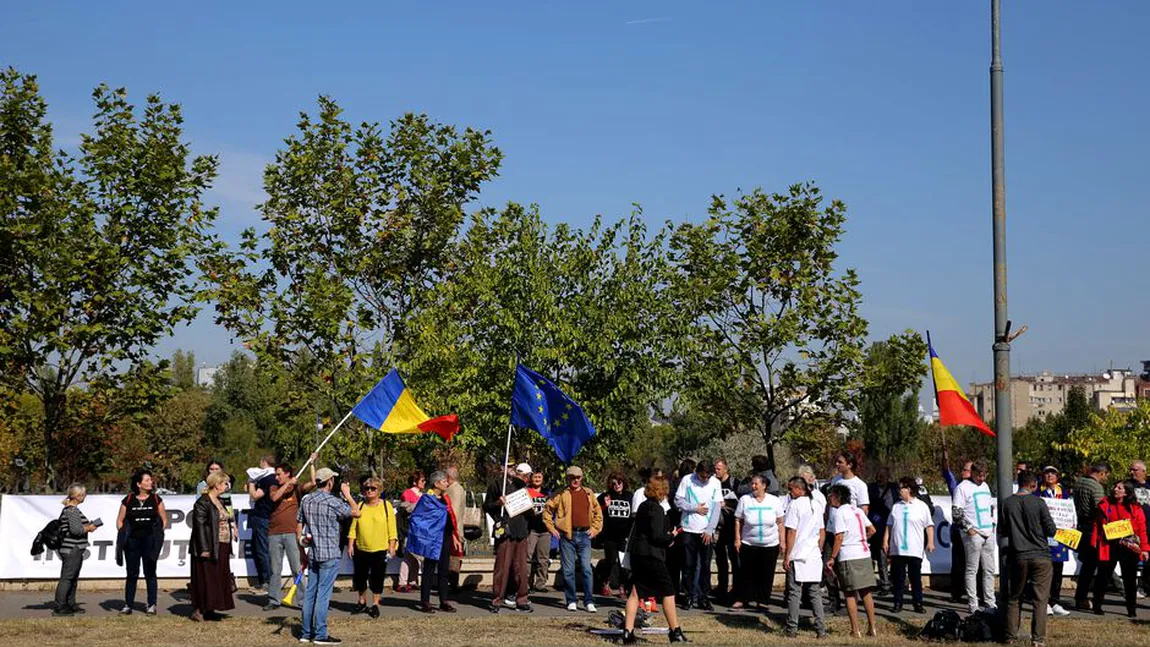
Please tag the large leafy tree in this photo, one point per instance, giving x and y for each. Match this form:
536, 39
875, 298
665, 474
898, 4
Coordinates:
361, 220
97, 247
888, 417
777, 339
587, 307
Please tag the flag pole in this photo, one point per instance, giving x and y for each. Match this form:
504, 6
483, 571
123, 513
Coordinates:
335, 429
934, 387
506, 459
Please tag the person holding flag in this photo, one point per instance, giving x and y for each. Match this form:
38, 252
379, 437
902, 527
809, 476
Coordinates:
572, 516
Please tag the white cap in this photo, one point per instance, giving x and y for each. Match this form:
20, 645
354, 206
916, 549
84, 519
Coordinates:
523, 468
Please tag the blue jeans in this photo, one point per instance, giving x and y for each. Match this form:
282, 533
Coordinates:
259, 540
317, 597
578, 547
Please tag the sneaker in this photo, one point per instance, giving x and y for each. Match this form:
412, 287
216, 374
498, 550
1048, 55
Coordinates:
525, 608
330, 640
63, 612
77, 610
126, 611
571, 606
447, 608
1140, 593
591, 607
151, 610
1049, 611
373, 612
1059, 611
359, 608
509, 603
704, 605
304, 640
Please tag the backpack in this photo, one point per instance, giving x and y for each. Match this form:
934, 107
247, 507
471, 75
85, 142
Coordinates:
50, 537
979, 627
943, 626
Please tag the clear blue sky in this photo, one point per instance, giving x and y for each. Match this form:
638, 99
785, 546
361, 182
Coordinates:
598, 105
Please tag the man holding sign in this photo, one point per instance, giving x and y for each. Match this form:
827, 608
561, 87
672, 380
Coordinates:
1120, 539
1026, 524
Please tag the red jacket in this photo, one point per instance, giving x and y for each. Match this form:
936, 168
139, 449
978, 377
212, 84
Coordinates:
1109, 512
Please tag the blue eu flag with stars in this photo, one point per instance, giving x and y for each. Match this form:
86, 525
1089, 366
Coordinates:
540, 405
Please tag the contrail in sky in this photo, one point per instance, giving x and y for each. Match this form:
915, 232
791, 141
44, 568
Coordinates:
644, 21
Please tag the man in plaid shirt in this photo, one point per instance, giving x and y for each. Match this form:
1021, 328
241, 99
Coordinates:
318, 528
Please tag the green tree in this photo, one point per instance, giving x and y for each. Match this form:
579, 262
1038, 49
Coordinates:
361, 224
776, 336
98, 248
587, 307
183, 370
1114, 437
888, 419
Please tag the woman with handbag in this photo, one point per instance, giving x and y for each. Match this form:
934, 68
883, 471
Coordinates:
1121, 505
211, 584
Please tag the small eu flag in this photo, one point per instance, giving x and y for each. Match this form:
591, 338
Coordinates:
538, 404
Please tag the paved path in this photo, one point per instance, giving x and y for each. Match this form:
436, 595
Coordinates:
38, 604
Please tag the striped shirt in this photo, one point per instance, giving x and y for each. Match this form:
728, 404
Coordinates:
320, 513
74, 536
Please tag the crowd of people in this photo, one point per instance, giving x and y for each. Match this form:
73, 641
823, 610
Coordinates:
840, 542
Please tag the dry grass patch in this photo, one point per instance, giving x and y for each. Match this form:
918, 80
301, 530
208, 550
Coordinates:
495, 631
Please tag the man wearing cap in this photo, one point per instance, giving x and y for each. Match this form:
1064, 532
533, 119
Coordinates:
510, 538
575, 518
317, 526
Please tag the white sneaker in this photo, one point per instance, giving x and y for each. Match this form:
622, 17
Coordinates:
1059, 611
572, 607
591, 608
1049, 611
509, 603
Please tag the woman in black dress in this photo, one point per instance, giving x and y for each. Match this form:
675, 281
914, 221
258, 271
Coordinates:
648, 549
211, 550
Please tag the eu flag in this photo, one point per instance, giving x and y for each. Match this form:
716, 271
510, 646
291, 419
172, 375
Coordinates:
538, 404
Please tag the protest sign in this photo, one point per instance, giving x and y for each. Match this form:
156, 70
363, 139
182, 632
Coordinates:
1118, 529
1068, 537
1063, 512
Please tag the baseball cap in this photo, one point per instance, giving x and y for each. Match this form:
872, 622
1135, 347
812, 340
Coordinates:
324, 474
523, 468
1050, 468
574, 471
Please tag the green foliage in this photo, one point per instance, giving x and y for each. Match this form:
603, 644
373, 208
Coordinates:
183, 370
889, 422
775, 334
1114, 437
98, 247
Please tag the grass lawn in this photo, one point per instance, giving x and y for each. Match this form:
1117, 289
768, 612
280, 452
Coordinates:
494, 631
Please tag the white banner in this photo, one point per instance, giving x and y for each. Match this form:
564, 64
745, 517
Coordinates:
21, 517
1062, 512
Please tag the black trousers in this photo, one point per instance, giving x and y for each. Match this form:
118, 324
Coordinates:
878, 556
1087, 565
370, 569
70, 563
675, 558
1129, 562
136, 550
727, 562
957, 564
608, 571
696, 567
1056, 569
438, 571
757, 573
900, 568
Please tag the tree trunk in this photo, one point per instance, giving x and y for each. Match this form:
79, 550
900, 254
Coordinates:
54, 406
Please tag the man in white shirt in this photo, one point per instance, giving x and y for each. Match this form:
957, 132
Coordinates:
973, 513
700, 499
846, 464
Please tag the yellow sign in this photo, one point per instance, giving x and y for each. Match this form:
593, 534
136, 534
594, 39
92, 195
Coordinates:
1118, 529
1068, 537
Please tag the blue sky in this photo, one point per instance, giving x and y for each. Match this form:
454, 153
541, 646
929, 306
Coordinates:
599, 105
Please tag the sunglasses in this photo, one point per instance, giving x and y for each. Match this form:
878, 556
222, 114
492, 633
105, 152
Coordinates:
370, 489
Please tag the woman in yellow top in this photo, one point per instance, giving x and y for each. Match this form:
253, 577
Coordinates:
371, 541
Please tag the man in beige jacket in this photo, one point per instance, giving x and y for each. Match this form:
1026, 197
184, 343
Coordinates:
575, 518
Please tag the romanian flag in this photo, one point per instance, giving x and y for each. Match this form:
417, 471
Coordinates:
390, 408
953, 407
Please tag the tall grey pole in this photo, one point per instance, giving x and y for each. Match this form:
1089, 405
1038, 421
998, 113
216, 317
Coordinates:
1002, 413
